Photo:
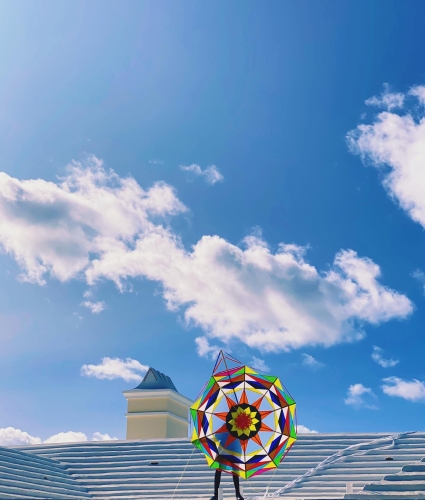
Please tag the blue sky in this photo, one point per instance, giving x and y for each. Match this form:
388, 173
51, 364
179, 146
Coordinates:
219, 171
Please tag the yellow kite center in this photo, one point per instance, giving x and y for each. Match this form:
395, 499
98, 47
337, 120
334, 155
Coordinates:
243, 421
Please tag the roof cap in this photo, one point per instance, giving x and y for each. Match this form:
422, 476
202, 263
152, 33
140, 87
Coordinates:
154, 379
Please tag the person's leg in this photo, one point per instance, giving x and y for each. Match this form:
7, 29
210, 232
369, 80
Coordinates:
237, 489
217, 479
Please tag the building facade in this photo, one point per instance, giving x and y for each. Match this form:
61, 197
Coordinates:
156, 410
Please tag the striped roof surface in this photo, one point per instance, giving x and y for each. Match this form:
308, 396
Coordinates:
318, 467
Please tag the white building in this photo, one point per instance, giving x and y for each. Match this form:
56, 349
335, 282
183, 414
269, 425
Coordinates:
156, 409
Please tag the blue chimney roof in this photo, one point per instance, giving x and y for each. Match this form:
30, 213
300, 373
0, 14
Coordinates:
156, 380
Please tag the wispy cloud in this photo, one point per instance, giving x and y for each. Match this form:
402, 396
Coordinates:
418, 91
156, 162
205, 350
396, 140
420, 276
311, 362
412, 390
388, 100
113, 368
9, 436
378, 358
108, 227
95, 307
211, 174
259, 364
358, 396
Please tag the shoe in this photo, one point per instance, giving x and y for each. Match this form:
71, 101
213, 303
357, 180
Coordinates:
213, 498
239, 497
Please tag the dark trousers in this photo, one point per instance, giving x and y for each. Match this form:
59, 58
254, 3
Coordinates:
217, 483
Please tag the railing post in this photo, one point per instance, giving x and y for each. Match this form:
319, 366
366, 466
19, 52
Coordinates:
349, 487
220, 493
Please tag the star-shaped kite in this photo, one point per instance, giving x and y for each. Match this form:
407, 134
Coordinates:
244, 421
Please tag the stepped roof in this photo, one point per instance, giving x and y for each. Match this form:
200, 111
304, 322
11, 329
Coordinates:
154, 379
381, 466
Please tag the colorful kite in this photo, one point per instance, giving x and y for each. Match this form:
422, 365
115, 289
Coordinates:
244, 421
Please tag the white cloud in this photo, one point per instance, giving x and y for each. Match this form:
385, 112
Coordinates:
77, 437
356, 396
395, 144
259, 364
418, 92
67, 437
97, 436
211, 174
112, 368
54, 228
9, 436
412, 390
378, 358
95, 225
302, 429
156, 162
95, 307
268, 301
311, 362
205, 350
387, 99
